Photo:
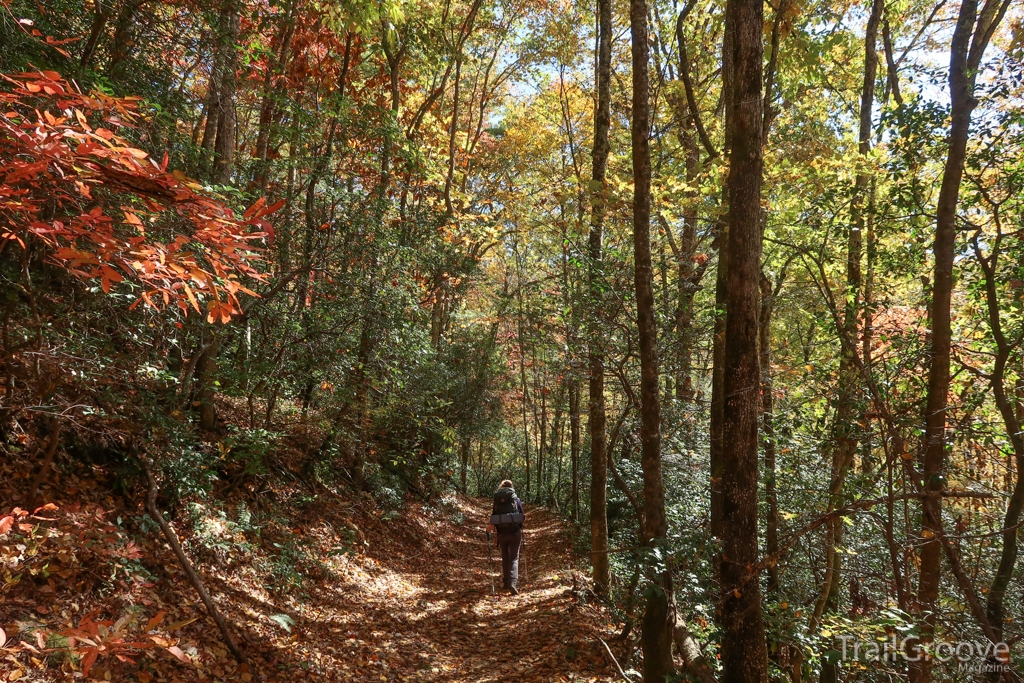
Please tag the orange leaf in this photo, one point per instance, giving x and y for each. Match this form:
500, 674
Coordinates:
191, 297
272, 208
156, 621
111, 274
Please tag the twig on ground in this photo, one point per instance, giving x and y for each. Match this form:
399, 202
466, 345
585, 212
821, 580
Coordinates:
193, 576
615, 661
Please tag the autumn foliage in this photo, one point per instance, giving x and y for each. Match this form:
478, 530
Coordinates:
71, 180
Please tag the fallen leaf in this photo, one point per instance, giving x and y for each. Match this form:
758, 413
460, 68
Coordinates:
156, 621
180, 624
176, 651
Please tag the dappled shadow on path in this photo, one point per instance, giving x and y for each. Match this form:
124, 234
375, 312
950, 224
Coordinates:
418, 607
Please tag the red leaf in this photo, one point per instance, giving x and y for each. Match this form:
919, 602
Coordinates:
251, 211
88, 660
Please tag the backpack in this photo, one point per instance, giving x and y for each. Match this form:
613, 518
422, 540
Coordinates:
506, 518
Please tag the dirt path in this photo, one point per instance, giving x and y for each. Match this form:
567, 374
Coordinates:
381, 597
420, 607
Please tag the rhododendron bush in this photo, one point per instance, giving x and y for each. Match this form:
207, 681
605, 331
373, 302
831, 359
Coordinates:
106, 211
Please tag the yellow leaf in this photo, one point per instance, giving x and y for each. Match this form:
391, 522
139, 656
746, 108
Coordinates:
178, 624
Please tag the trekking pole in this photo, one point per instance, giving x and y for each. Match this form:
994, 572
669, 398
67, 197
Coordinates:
522, 549
490, 561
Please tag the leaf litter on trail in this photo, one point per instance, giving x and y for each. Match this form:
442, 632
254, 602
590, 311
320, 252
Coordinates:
410, 600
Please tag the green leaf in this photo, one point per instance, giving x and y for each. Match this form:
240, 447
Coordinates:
284, 621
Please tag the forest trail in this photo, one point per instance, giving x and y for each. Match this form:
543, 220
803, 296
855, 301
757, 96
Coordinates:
339, 591
423, 610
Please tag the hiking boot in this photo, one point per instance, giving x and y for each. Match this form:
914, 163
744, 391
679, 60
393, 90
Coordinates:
514, 590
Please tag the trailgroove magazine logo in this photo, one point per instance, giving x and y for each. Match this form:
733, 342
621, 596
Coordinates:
982, 656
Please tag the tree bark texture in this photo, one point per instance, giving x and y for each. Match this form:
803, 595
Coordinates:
744, 655
596, 408
970, 38
658, 618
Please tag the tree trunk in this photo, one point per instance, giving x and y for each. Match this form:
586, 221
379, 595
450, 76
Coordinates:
768, 437
744, 655
688, 280
206, 372
213, 104
721, 314
271, 93
1008, 557
574, 446
224, 148
845, 429
599, 194
658, 618
464, 464
966, 51
124, 38
542, 449
104, 8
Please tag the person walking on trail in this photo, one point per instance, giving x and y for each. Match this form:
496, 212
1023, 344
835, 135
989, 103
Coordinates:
507, 519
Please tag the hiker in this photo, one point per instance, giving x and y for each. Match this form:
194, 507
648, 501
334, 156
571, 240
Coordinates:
507, 518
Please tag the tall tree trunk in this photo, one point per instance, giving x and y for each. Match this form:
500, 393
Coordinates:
599, 196
744, 655
452, 131
124, 38
104, 8
574, 445
768, 437
658, 618
721, 312
688, 277
521, 334
966, 51
213, 105
1011, 420
271, 92
542, 446
845, 429
224, 148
